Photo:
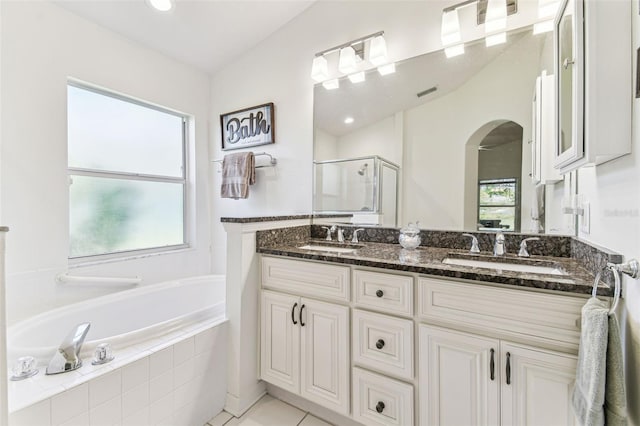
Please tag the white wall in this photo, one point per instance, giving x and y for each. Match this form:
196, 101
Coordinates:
377, 139
43, 45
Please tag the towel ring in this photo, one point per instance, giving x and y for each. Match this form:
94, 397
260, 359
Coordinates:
616, 291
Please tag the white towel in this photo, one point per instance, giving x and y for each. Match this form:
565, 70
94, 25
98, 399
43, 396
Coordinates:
238, 172
537, 209
588, 392
599, 396
615, 398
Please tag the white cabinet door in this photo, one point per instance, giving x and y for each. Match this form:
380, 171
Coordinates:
325, 354
537, 388
459, 378
280, 340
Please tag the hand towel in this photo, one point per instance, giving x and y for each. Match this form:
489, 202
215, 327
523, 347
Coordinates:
615, 398
537, 209
589, 390
238, 172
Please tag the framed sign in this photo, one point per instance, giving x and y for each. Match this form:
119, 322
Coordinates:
247, 127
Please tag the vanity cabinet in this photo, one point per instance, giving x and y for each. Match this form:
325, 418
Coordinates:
593, 73
470, 379
305, 348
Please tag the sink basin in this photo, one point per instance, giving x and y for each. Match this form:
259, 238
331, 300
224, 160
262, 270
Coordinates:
517, 267
332, 249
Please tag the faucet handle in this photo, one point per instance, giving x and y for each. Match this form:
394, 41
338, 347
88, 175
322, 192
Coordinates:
523, 246
474, 243
354, 239
329, 231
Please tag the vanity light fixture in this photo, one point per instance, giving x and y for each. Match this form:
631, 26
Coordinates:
387, 69
378, 51
450, 31
547, 10
347, 63
496, 22
161, 5
331, 84
320, 69
351, 57
357, 77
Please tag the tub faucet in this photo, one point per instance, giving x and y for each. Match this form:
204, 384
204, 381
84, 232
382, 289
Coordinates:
499, 248
67, 356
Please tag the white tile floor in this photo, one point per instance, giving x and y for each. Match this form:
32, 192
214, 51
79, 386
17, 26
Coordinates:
268, 412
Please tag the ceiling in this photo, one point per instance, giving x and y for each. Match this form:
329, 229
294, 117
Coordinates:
206, 34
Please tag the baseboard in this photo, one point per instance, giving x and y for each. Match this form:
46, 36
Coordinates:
238, 406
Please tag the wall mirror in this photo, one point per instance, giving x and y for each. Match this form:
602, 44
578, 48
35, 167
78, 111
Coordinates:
459, 131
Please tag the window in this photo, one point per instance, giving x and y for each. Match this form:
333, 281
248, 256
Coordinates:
126, 163
498, 205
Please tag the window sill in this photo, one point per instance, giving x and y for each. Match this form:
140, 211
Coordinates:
127, 256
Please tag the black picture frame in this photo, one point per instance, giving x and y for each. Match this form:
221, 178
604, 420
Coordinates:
248, 127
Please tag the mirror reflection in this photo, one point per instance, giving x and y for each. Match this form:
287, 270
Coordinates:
459, 131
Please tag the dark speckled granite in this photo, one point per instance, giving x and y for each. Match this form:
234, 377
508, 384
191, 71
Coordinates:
549, 245
293, 235
277, 218
428, 260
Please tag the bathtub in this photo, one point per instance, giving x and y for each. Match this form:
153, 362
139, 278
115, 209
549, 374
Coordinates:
169, 342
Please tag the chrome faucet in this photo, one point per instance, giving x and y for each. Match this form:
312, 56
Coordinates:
329, 231
499, 248
474, 243
523, 246
67, 357
354, 239
340, 235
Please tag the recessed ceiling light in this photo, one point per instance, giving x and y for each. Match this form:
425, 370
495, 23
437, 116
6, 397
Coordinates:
348, 120
161, 5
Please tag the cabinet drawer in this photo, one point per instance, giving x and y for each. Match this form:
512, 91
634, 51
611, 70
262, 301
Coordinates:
379, 400
383, 343
384, 292
306, 278
546, 319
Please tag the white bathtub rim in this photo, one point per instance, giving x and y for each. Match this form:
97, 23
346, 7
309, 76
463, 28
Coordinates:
43, 352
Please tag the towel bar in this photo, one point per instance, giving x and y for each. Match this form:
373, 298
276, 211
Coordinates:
273, 161
630, 268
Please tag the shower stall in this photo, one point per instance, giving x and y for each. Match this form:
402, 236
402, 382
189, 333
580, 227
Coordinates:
366, 187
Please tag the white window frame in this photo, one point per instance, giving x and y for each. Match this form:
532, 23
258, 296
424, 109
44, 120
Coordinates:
79, 171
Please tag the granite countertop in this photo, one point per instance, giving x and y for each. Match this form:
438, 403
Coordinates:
428, 260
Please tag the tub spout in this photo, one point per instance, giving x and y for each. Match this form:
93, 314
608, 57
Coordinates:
67, 357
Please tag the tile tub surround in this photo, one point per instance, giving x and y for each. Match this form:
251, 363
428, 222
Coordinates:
180, 380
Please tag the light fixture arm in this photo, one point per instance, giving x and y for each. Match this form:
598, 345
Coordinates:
351, 43
459, 5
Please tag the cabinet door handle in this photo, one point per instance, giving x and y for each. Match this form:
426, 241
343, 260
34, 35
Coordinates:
380, 344
301, 309
379, 293
380, 407
492, 365
293, 315
508, 368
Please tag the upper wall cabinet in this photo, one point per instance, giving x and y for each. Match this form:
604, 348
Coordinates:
593, 82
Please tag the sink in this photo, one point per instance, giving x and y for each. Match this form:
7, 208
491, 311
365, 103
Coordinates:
516, 267
332, 249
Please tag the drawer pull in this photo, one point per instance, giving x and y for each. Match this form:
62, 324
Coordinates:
301, 309
293, 313
379, 293
508, 368
380, 407
380, 345
492, 365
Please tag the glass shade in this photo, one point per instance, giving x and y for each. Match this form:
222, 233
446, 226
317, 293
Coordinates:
347, 62
319, 69
450, 31
378, 51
